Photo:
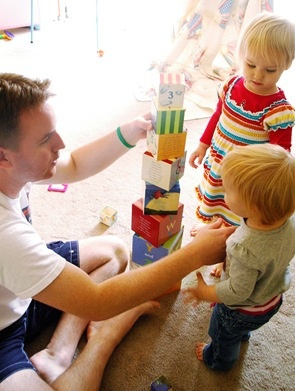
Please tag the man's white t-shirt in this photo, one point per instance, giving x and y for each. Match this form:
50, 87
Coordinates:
27, 266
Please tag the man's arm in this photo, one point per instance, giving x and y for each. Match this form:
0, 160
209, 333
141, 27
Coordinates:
95, 156
74, 292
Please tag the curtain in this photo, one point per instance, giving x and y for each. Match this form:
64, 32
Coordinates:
209, 28
204, 46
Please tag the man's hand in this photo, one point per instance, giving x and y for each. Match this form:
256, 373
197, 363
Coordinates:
211, 238
136, 129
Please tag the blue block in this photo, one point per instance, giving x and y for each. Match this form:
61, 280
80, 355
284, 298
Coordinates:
159, 201
161, 384
144, 252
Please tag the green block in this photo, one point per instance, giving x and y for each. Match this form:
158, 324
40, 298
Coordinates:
167, 120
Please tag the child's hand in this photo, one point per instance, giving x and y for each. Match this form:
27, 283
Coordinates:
198, 155
202, 286
192, 295
201, 292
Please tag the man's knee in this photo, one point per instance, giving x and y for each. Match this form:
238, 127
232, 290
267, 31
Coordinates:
122, 253
97, 251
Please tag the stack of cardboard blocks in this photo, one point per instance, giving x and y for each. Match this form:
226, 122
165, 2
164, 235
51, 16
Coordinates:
157, 216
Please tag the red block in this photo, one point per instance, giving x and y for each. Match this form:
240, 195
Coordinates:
156, 229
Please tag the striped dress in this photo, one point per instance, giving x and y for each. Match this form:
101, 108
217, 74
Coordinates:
241, 118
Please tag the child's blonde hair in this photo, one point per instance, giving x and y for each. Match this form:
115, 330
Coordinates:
270, 36
263, 176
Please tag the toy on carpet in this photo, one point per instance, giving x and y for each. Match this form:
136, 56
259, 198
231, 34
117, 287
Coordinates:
7, 35
157, 215
161, 384
108, 216
59, 188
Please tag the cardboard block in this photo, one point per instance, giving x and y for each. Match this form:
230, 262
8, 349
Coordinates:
108, 216
166, 146
171, 89
158, 201
156, 229
162, 173
167, 120
143, 252
161, 384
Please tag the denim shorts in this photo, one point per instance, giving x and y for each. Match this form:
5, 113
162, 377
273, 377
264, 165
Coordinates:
13, 357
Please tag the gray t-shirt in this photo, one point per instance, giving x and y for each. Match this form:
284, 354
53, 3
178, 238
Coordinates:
257, 265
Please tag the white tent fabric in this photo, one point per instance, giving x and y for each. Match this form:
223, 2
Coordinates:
204, 49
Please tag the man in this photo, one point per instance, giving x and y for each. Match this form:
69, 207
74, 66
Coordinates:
97, 295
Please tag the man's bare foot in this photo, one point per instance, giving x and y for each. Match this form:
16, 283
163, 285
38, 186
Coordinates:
199, 350
50, 365
106, 334
217, 270
113, 330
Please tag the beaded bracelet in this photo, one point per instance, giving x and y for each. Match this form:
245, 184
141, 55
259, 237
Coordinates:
121, 138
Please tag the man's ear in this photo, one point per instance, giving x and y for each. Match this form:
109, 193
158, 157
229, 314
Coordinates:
4, 160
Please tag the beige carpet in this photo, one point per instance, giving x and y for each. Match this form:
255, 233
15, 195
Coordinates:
94, 96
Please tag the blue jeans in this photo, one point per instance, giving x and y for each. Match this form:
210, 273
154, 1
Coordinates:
228, 328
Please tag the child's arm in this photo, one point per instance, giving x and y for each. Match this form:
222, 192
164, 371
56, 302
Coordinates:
282, 137
280, 121
199, 154
201, 292
206, 138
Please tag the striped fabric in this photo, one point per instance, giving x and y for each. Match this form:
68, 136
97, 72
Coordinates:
261, 309
245, 119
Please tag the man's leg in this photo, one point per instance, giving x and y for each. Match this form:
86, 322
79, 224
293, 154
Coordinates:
101, 257
87, 370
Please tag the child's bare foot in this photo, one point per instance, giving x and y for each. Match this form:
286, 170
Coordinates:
199, 350
217, 270
195, 229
